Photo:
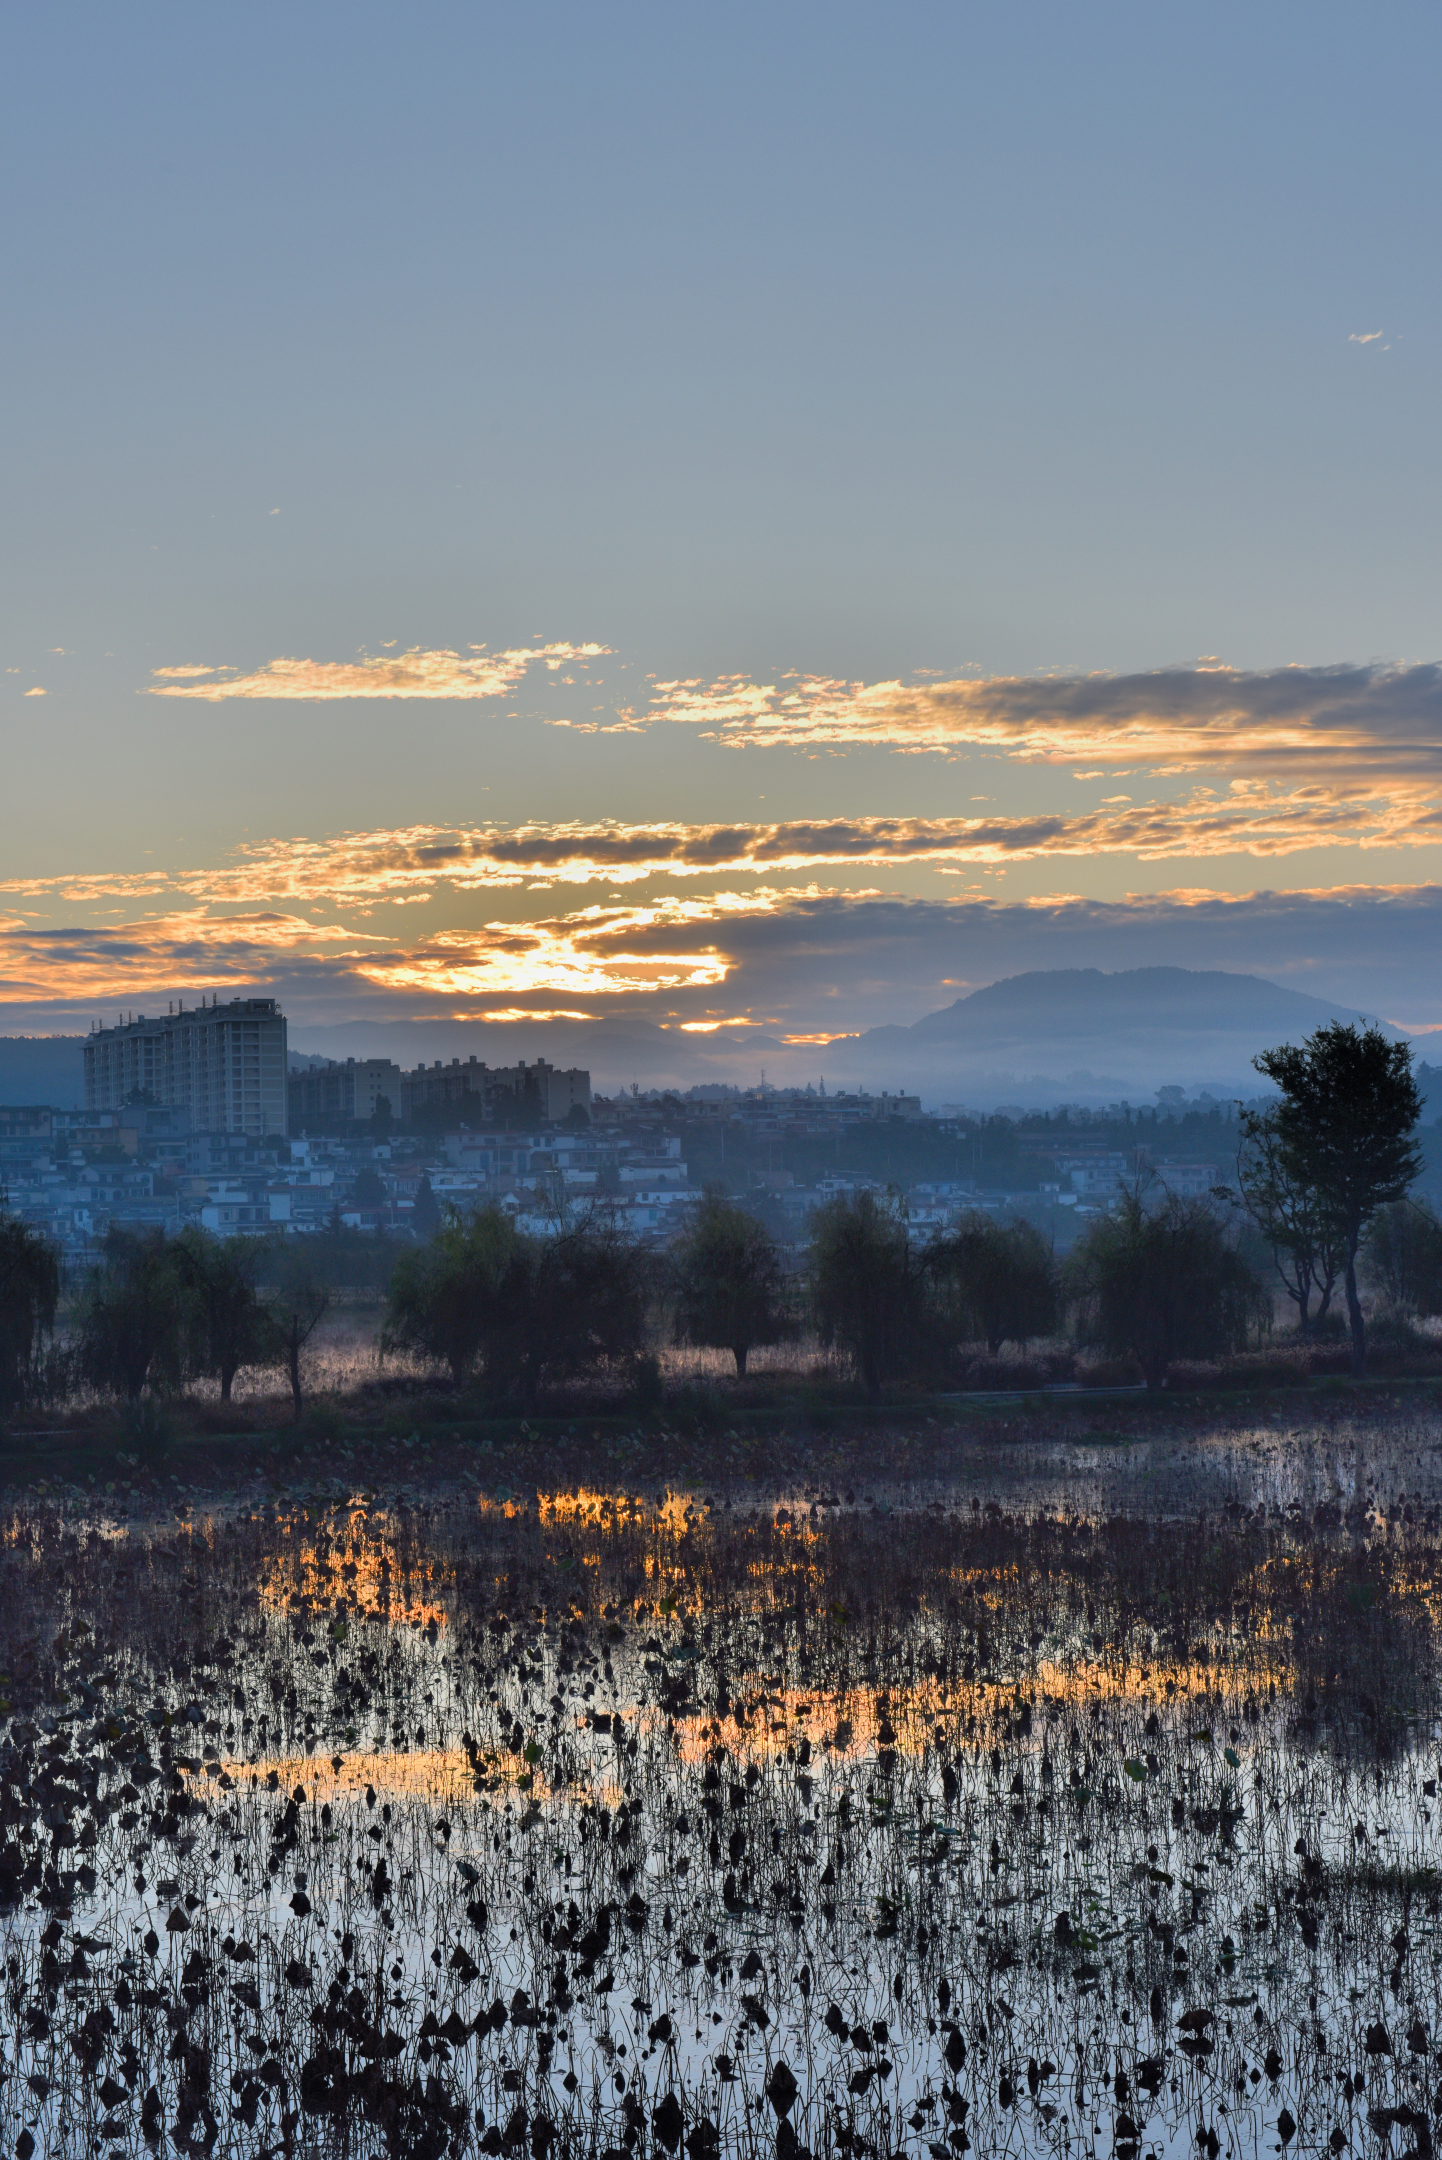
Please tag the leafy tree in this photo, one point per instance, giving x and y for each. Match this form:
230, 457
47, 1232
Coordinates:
1401, 1257
138, 1319
426, 1217
729, 1284
866, 1287
525, 1309
29, 1294
235, 1329
1000, 1280
449, 1300
1164, 1282
1292, 1217
1344, 1130
369, 1189
298, 1300
573, 1303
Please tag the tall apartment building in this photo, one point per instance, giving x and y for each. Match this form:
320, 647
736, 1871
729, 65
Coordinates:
351, 1089
541, 1091
223, 1064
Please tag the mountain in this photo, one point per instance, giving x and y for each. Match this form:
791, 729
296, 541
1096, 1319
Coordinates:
43, 1069
1080, 1034
1068, 1035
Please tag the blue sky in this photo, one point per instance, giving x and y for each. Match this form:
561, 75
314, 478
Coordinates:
791, 349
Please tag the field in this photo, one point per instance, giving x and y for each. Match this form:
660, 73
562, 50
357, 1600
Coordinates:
1073, 1794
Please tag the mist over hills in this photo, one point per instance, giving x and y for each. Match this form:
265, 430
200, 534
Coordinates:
1072, 1034
43, 1069
1060, 1035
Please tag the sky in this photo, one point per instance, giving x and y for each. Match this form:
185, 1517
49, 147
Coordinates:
753, 519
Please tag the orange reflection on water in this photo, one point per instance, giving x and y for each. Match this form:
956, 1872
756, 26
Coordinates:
352, 1558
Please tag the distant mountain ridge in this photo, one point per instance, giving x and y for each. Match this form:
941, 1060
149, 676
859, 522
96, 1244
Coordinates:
1083, 1029
1053, 1035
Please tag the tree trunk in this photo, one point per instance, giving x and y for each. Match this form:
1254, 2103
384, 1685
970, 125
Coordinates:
1354, 1315
293, 1364
227, 1376
740, 1352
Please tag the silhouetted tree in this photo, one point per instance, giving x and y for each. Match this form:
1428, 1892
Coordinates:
1292, 1217
297, 1301
1401, 1257
448, 1299
29, 1294
730, 1288
999, 1279
369, 1190
575, 1302
137, 1318
1163, 1282
426, 1216
866, 1287
234, 1327
1344, 1131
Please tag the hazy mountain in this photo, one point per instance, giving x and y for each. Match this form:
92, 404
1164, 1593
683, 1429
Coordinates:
43, 1069
1078, 1033
1073, 1034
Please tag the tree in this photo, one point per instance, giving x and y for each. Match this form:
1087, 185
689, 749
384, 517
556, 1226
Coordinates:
1000, 1280
235, 1328
574, 1302
137, 1321
447, 1300
1164, 1282
29, 1294
1401, 1257
1293, 1217
866, 1287
426, 1216
297, 1302
729, 1284
1344, 1131
369, 1189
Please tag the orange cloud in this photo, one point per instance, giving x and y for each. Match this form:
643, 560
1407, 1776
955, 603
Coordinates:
812, 964
410, 863
1275, 721
413, 674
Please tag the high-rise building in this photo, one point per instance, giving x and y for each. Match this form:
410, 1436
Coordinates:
353, 1089
223, 1064
541, 1091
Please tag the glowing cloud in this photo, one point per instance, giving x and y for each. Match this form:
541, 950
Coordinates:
1369, 719
409, 864
413, 674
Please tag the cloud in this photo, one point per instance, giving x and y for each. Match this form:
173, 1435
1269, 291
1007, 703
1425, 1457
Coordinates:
806, 962
162, 953
409, 863
37, 691
1371, 721
414, 674
1365, 337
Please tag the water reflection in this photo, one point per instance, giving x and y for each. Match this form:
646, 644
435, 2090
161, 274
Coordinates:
567, 1823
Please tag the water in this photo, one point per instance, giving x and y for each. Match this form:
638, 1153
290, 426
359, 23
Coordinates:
601, 1822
